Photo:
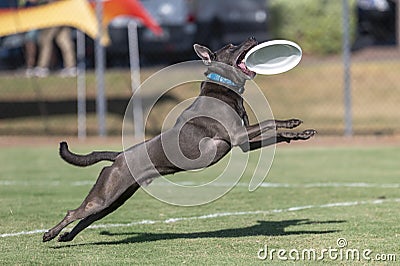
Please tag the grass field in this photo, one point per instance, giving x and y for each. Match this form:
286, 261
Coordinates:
313, 196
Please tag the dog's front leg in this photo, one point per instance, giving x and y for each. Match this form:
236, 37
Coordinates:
269, 138
267, 125
248, 132
243, 137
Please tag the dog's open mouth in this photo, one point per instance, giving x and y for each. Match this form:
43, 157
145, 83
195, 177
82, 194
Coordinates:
242, 66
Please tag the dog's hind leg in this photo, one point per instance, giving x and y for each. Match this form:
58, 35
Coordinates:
68, 236
113, 182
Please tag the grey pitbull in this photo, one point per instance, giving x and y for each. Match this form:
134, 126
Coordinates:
216, 121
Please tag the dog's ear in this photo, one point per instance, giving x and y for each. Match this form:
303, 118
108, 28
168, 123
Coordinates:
204, 53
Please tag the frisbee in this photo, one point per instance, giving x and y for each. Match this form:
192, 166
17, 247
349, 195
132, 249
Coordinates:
273, 57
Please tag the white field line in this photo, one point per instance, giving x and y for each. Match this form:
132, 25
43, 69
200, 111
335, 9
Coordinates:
220, 214
263, 185
309, 185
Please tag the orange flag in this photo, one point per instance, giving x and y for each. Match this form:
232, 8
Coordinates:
133, 8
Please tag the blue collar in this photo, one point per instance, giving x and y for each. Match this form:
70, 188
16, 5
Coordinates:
225, 81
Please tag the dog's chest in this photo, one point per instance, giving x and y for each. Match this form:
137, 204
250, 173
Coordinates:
212, 113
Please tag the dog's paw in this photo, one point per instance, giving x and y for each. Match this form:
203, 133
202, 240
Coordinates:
65, 237
306, 134
48, 236
292, 123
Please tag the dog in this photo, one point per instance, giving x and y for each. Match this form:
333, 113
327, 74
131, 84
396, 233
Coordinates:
216, 120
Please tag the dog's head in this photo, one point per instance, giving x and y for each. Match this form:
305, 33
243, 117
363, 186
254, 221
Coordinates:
228, 62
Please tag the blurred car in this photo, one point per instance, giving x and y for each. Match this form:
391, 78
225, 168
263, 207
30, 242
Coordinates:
376, 24
179, 31
230, 21
209, 22
11, 51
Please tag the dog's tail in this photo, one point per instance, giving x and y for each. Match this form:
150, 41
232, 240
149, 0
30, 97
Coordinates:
88, 159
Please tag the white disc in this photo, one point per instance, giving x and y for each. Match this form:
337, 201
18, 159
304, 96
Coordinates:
273, 57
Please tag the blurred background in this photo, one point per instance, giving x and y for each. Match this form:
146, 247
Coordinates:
348, 82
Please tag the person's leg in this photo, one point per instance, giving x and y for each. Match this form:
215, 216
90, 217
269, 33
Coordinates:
45, 50
64, 41
30, 52
46, 46
30, 48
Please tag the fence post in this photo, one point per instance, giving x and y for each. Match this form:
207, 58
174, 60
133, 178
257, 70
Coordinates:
397, 2
134, 61
81, 84
348, 119
101, 103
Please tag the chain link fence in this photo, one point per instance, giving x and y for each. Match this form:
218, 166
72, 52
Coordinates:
314, 91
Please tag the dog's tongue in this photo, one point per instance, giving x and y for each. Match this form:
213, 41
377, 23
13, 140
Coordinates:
242, 65
245, 70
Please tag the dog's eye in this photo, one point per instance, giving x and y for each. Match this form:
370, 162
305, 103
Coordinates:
229, 46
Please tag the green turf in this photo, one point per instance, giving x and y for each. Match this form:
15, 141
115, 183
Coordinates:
36, 189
